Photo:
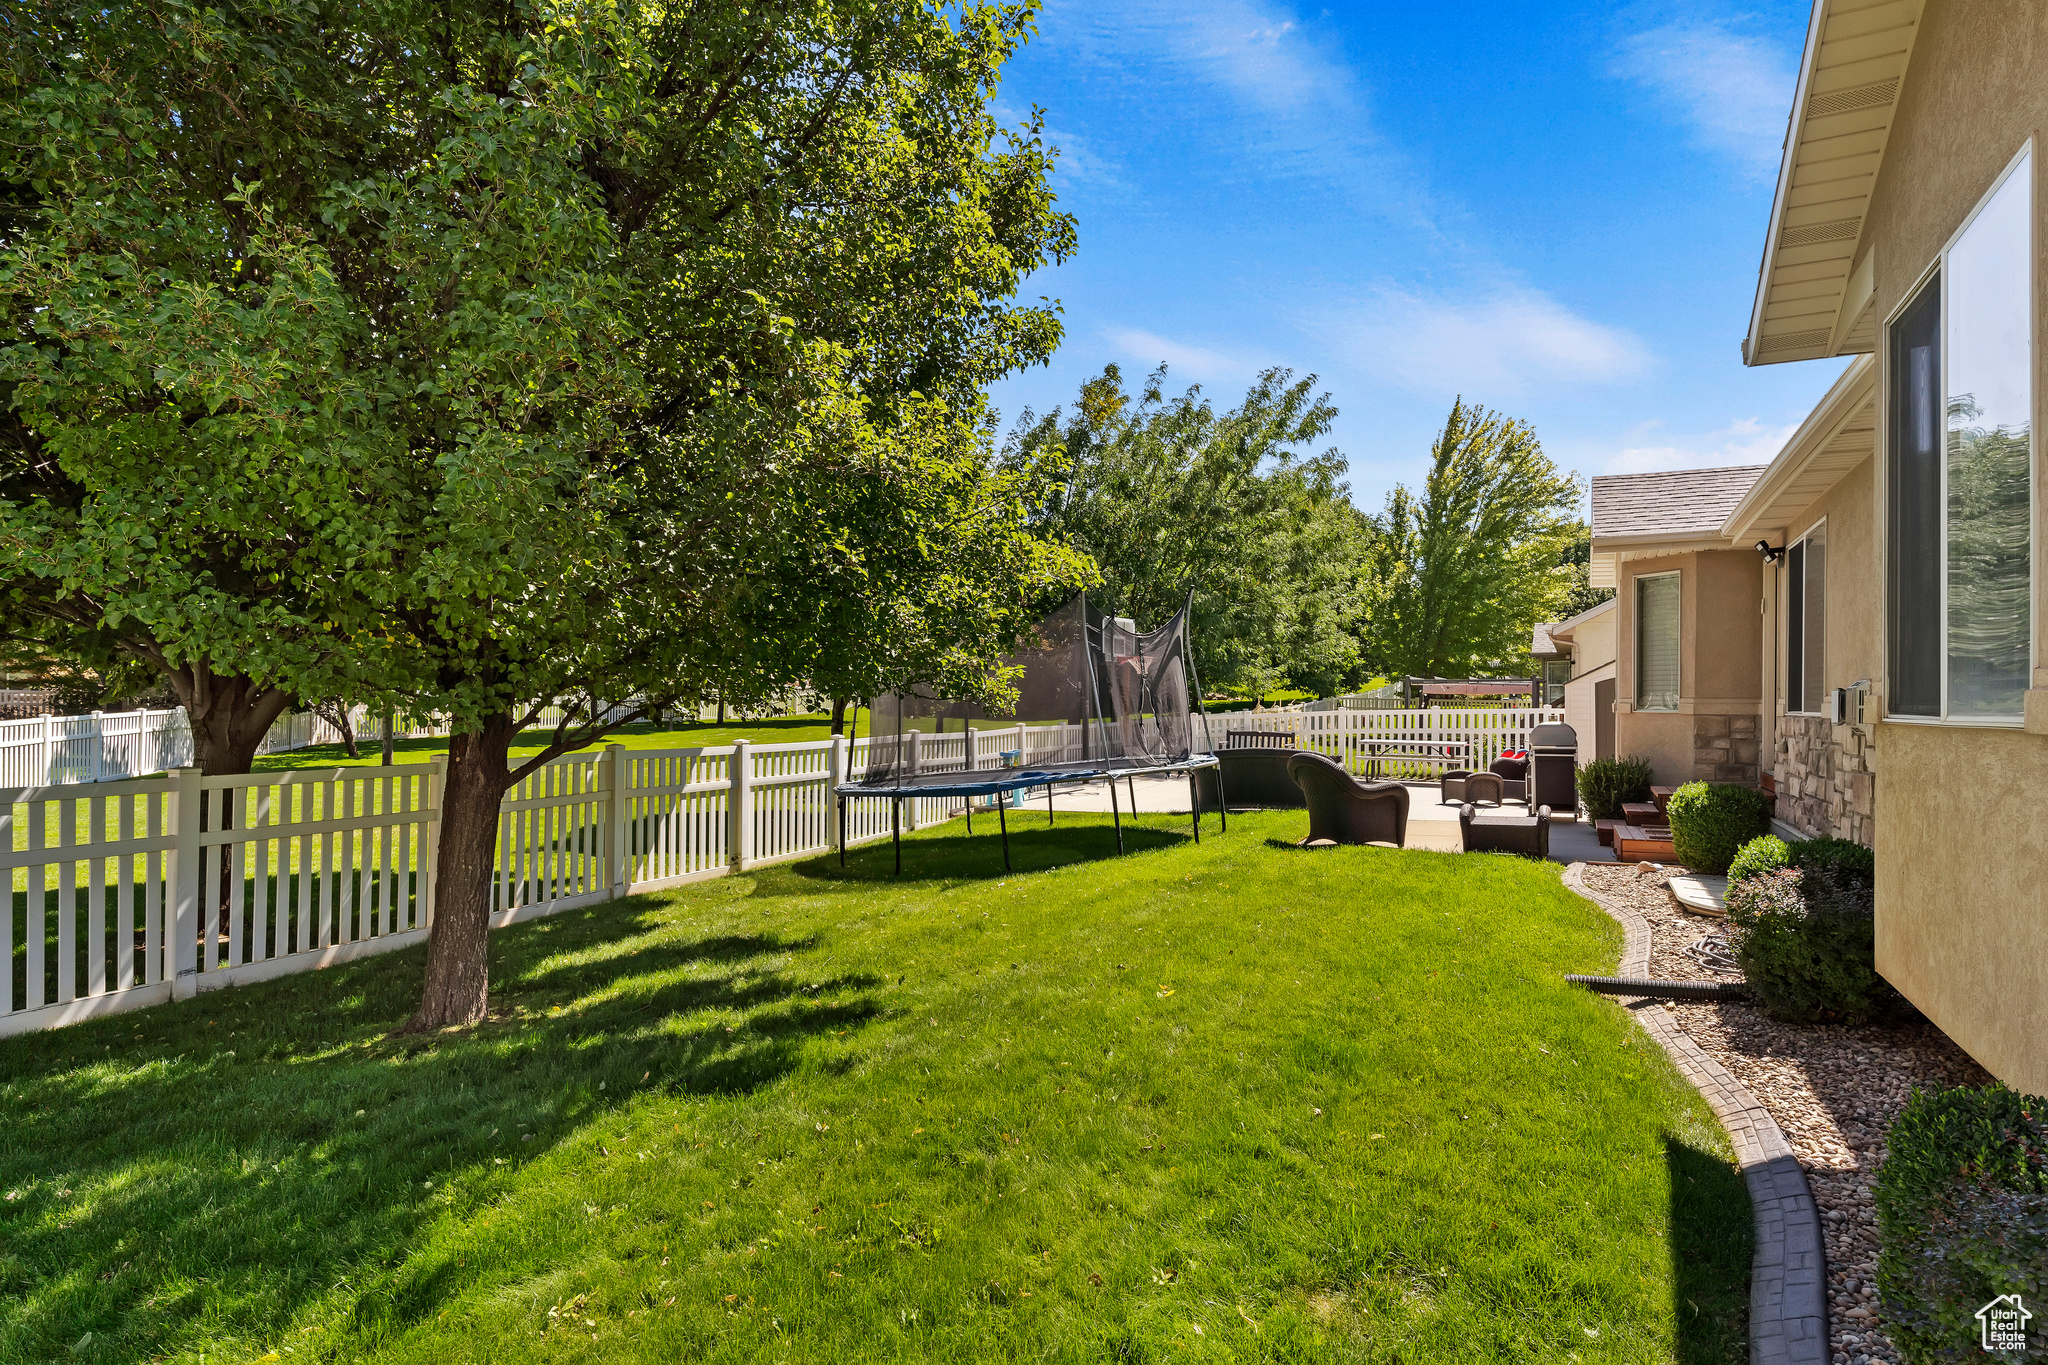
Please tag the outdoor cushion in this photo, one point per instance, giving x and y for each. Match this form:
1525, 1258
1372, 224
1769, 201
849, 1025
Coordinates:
1343, 809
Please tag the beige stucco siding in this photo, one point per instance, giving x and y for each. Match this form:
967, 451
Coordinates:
1720, 669
1961, 892
1962, 874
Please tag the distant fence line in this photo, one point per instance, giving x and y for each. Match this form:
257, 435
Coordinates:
104, 746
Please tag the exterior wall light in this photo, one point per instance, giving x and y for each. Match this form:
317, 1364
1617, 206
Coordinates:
1771, 556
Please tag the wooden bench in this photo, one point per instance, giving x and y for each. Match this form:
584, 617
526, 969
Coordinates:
1642, 813
1636, 844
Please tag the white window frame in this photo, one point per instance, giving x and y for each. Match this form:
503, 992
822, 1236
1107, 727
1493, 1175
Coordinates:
1939, 266
1792, 707
1636, 610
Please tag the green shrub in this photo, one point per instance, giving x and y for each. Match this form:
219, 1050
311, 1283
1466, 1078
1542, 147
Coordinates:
1807, 945
1710, 823
1606, 783
1765, 853
1962, 1216
1840, 858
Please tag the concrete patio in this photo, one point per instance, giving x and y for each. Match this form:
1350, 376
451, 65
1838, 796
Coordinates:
1432, 822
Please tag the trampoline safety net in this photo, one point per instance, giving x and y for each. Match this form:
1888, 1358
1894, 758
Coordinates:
1104, 696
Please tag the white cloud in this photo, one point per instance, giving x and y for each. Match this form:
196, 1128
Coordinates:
1184, 363
1744, 441
1300, 108
1734, 90
1486, 347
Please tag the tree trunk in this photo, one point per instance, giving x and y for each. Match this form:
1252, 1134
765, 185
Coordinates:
390, 725
229, 715
839, 705
721, 710
457, 989
348, 730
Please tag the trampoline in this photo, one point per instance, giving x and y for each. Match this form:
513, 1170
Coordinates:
1119, 697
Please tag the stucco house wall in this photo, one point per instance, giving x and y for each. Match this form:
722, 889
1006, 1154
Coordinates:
1715, 734
1826, 773
1960, 881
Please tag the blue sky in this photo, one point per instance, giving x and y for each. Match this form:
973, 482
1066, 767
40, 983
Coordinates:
1554, 209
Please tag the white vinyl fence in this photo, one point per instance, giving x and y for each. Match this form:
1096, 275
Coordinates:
1396, 743
134, 892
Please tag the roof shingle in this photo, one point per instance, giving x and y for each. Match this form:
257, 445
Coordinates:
1671, 501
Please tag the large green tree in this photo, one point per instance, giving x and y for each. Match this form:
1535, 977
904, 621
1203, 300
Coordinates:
1476, 561
1167, 495
487, 354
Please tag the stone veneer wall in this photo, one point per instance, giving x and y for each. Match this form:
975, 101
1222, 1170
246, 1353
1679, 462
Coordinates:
1824, 787
1724, 749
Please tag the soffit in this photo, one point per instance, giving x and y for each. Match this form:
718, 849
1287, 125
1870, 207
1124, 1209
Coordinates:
1839, 434
1813, 299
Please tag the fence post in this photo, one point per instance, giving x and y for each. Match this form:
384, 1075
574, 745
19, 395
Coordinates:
430, 836
181, 920
618, 821
835, 773
49, 753
742, 805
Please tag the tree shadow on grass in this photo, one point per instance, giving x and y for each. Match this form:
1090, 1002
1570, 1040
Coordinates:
951, 854
253, 1148
1711, 1241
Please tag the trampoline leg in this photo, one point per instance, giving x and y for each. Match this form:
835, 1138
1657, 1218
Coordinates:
896, 830
1048, 803
1003, 822
1195, 805
842, 831
1117, 816
970, 815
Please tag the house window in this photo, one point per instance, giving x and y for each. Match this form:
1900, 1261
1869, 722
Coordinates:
1556, 673
1806, 583
1959, 600
1657, 642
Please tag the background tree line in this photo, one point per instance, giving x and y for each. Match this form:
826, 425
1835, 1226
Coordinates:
1293, 586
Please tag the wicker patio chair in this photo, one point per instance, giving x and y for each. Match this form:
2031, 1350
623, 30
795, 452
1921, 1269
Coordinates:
1514, 777
1343, 810
1451, 786
1528, 835
1484, 787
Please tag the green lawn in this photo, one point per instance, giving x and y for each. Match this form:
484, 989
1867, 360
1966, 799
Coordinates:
1230, 1102
788, 730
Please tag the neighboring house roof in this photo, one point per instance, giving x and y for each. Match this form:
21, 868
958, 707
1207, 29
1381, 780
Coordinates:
1813, 293
1674, 502
1540, 645
1561, 631
1839, 434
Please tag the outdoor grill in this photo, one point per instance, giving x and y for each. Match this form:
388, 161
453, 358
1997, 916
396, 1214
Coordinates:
1553, 767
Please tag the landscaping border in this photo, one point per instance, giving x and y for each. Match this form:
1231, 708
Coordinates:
1788, 1303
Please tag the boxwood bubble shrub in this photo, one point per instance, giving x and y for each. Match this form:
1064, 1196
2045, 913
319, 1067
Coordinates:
1765, 853
1710, 823
1962, 1217
1807, 945
1606, 783
1840, 858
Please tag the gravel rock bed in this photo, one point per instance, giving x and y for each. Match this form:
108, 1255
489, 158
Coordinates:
1833, 1090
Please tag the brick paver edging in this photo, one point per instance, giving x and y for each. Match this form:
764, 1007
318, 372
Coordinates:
1788, 1303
